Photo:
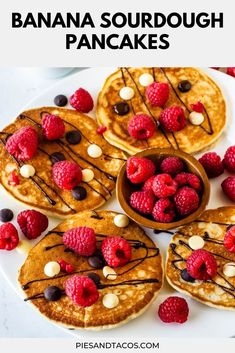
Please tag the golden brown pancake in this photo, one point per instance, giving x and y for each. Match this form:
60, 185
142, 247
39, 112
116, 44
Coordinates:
192, 138
136, 285
40, 191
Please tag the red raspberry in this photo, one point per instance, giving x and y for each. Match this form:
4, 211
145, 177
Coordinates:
174, 309
9, 238
186, 200
116, 251
32, 223
139, 169
141, 127
231, 71
52, 127
82, 101
229, 240
82, 290
228, 187
229, 159
158, 93
142, 201
188, 179
164, 185
148, 184
23, 144
81, 239
172, 119
65, 266
201, 265
197, 107
164, 211
212, 164
13, 179
66, 174
101, 129
172, 165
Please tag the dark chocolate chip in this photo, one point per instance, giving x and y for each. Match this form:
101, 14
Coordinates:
121, 108
96, 261
57, 157
73, 137
95, 277
79, 193
52, 293
6, 215
186, 276
60, 100
184, 86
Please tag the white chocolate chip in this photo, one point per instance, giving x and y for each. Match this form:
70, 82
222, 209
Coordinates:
126, 93
27, 171
52, 269
121, 220
110, 300
94, 151
146, 79
23, 247
196, 118
196, 242
109, 273
87, 175
229, 269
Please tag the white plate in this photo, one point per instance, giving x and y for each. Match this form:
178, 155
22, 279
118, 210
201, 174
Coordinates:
203, 321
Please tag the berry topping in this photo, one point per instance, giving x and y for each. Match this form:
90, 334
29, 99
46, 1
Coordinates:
73, 137
184, 86
65, 266
66, 174
57, 157
186, 276
164, 185
188, 179
79, 193
197, 107
96, 261
81, 239
32, 223
23, 144
172, 119
158, 93
174, 309
142, 201
172, 165
139, 169
116, 251
201, 265
121, 108
231, 71
60, 100
229, 240
228, 187
229, 159
52, 293
212, 164
13, 179
52, 127
148, 184
9, 238
141, 127
101, 129
6, 215
82, 290
164, 211
186, 200
82, 101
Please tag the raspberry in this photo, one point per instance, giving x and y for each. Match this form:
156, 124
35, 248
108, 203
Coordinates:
231, 71
23, 144
229, 240
148, 184
229, 159
52, 127
116, 251
197, 107
172, 119
158, 93
65, 266
82, 290
101, 129
212, 164
141, 127
164, 211
201, 265
139, 169
32, 223
82, 101
66, 174
81, 239
164, 185
142, 201
9, 238
188, 179
14, 179
172, 165
228, 187
174, 309
186, 200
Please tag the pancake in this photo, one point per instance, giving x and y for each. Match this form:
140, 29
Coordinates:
212, 226
192, 138
136, 285
40, 191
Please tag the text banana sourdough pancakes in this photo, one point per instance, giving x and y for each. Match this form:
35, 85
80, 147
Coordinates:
181, 108
115, 271
54, 159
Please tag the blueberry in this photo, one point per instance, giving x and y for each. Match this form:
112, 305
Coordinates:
79, 193
60, 100
95, 277
52, 293
73, 137
6, 215
186, 276
57, 157
184, 86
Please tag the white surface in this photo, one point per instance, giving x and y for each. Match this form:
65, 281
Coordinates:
203, 322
